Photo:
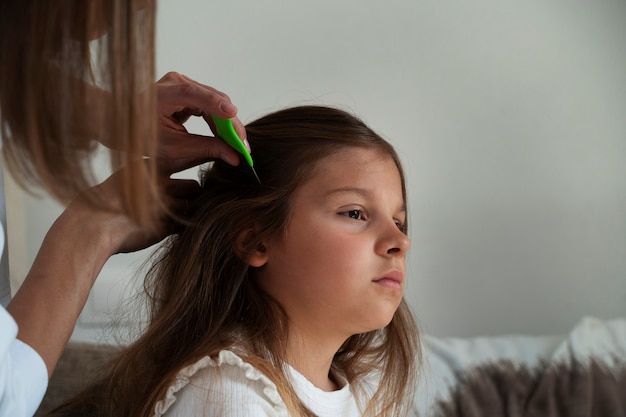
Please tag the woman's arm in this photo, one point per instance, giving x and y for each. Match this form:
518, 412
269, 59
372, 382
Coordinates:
55, 290
83, 238
71, 256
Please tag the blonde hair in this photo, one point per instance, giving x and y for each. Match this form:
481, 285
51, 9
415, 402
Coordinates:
52, 110
203, 300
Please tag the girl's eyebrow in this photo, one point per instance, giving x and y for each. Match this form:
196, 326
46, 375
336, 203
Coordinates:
360, 191
357, 190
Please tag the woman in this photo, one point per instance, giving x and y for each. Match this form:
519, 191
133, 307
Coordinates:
60, 95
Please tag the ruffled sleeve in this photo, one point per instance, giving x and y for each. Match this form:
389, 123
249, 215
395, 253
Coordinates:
222, 386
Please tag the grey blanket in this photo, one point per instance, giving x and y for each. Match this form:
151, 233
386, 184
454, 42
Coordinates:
580, 374
556, 390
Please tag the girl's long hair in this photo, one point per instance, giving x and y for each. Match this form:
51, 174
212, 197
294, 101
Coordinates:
60, 91
202, 298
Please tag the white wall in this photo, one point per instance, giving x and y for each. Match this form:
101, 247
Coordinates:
510, 117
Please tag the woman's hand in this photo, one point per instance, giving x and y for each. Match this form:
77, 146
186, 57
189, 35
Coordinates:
179, 98
118, 232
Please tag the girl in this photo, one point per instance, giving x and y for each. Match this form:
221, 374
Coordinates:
284, 298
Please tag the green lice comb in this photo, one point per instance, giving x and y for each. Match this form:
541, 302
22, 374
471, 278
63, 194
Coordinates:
226, 131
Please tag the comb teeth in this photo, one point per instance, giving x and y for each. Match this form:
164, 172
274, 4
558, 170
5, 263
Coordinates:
226, 131
255, 174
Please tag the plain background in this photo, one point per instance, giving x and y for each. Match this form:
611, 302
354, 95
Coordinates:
510, 117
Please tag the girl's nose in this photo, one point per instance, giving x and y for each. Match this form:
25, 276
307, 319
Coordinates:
393, 242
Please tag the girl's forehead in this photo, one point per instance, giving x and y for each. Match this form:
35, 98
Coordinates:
356, 166
353, 156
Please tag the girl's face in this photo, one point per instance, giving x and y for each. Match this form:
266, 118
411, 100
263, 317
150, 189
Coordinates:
339, 269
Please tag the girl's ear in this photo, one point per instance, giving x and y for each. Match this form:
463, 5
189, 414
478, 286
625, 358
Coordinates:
258, 257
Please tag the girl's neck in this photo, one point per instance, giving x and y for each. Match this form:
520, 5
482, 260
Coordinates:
313, 359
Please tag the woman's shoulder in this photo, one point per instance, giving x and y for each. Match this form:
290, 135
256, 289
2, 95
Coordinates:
222, 385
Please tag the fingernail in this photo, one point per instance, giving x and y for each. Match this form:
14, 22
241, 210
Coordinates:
228, 107
246, 144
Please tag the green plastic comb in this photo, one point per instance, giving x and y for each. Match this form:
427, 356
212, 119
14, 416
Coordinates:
226, 131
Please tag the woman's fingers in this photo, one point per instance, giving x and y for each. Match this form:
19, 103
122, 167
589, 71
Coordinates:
180, 97
180, 150
168, 209
177, 197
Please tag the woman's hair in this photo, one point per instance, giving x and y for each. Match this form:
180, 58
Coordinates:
202, 299
51, 107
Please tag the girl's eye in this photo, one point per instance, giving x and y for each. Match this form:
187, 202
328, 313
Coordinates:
401, 226
354, 214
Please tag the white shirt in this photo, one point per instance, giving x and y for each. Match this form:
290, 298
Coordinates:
230, 387
23, 373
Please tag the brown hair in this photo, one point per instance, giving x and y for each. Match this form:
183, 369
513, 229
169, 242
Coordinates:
202, 300
51, 107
